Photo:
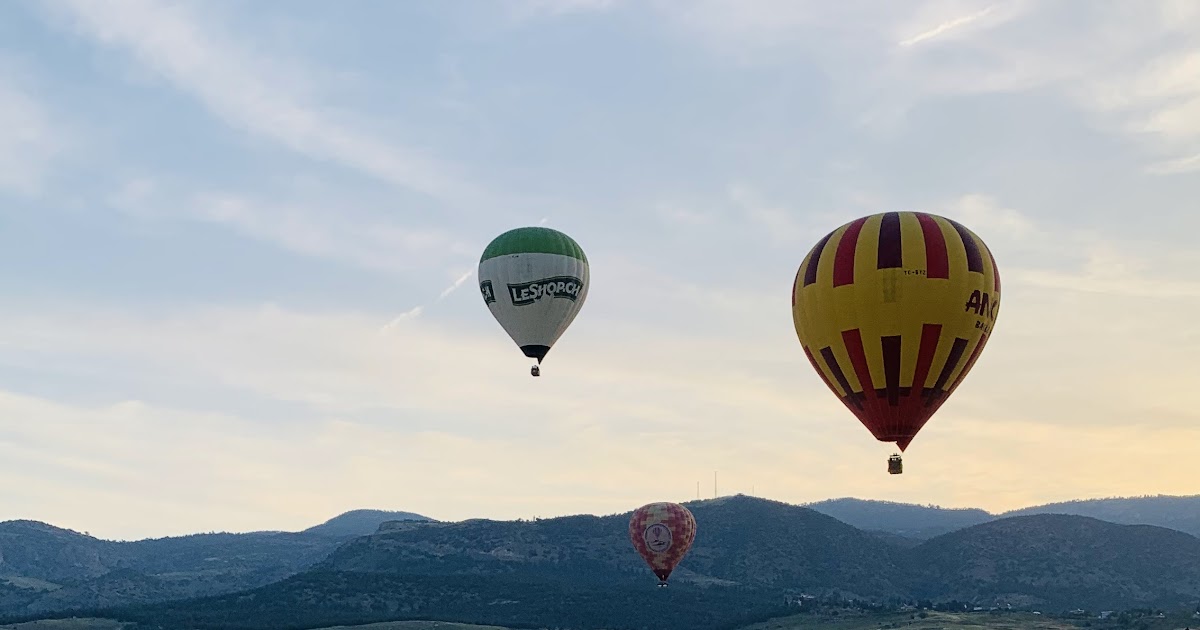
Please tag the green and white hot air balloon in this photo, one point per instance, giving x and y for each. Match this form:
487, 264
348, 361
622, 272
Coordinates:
534, 281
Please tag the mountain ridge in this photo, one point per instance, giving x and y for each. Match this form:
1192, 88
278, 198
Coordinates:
750, 558
45, 568
751, 550
921, 522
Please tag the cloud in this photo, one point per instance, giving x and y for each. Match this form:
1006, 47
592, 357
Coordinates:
30, 137
449, 409
1187, 164
323, 225
1132, 69
984, 214
253, 92
528, 9
778, 220
620, 395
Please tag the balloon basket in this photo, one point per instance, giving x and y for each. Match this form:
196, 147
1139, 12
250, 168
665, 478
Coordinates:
535, 371
895, 465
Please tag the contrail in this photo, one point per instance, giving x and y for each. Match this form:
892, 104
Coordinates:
416, 311
457, 283
946, 26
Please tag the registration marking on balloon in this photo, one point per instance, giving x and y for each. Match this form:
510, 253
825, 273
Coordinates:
658, 538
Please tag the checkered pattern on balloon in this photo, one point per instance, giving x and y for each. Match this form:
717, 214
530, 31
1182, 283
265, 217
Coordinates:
662, 533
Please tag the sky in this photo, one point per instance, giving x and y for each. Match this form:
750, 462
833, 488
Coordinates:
238, 244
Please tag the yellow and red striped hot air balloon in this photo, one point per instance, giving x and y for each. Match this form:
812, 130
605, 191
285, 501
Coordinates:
662, 533
893, 310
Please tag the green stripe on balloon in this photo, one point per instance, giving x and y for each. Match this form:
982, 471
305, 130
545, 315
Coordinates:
533, 240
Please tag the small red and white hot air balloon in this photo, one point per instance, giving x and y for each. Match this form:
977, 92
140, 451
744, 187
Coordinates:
662, 533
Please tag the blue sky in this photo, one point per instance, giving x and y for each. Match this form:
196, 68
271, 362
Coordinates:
238, 243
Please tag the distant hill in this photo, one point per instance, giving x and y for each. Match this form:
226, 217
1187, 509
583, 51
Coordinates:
32, 549
45, 568
744, 541
922, 522
901, 519
750, 556
361, 522
1181, 513
1060, 561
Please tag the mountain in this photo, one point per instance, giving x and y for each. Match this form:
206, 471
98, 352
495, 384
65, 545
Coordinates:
922, 522
565, 572
1060, 561
361, 522
45, 568
30, 549
749, 557
901, 519
1180, 513
744, 541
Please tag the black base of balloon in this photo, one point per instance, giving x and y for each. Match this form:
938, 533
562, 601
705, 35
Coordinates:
535, 352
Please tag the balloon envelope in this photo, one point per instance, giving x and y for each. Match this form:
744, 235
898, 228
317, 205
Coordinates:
662, 533
893, 310
534, 280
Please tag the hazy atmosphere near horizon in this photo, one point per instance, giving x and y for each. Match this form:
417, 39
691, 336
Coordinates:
238, 247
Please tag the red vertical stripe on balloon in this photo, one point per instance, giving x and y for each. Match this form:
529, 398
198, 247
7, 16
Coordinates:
843, 262
937, 260
877, 411
930, 335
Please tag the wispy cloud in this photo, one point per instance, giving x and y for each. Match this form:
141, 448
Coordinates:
984, 213
777, 220
1186, 164
249, 91
1133, 67
322, 225
379, 407
527, 9
30, 140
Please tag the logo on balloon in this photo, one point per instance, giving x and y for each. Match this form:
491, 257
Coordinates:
557, 287
983, 304
657, 537
489, 294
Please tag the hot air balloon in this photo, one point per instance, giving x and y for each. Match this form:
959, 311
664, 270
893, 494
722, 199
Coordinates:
893, 310
534, 280
662, 533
